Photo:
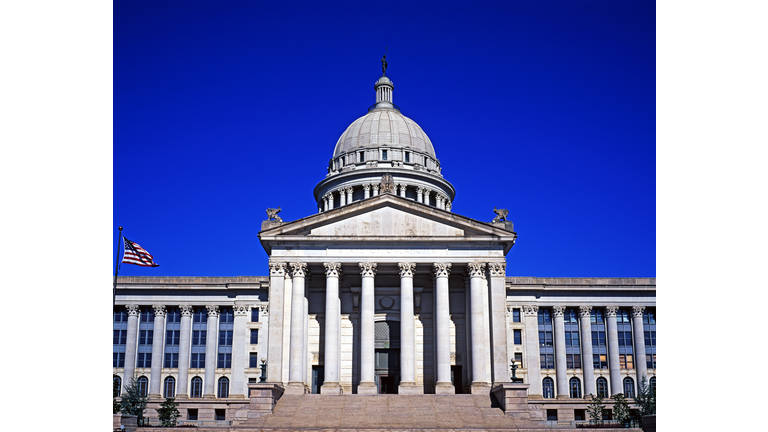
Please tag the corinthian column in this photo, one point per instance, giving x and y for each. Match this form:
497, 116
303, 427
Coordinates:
585, 331
239, 351
158, 332
479, 349
561, 380
275, 336
332, 328
296, 367
639, 339
186, 330
426, 196
613, 349
375, 187
130, 344
211, 345
532, 358
420, 194
498, 309
443, 329
407, 331
366, 190
342, 198
367, 313
349, 190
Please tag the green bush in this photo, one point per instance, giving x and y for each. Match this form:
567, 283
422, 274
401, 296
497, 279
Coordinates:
132, 402
168, 412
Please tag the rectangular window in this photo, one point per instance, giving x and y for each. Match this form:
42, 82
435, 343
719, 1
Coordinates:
547, 361
551, 415
546, 343
119, 336
118, 359
515, 315
519, 360
579, 414
225, 337
407, 156
171, 360
600, 361
253, 360
518, 337
625, 361
383, 155
255, 314
145, 337
198, 337
197, 360
361, 156
225, 361
573, 361
192, 414
254, 336
226, 331
144, 360
220, 414
172, 337
650, 361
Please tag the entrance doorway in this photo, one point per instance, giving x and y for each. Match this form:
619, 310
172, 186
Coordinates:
318, 375
387, 360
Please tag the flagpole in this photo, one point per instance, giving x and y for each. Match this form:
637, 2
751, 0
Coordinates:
117, 260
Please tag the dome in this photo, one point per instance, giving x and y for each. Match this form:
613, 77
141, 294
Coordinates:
384, 127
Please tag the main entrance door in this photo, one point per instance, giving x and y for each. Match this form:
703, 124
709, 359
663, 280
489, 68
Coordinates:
387, 343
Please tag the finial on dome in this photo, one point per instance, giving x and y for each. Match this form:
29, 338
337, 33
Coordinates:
384, 62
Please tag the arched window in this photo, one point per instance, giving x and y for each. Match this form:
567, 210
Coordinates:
629, 388
602, 387
143, 384
548, 388
575, 388
223, 387
653, 384
197, 387
169, 387
118, 384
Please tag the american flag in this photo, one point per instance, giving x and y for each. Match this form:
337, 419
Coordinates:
135, 254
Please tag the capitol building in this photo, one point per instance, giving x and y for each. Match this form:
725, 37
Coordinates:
383, 291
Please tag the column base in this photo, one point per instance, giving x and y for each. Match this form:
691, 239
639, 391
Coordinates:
480, 388
367, 388
330, 388
295, 388
444, 388
407, 388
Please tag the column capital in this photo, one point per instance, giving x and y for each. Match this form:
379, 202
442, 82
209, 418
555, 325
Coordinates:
368, 269
213, 310
348, 189
406, 269
497, 269
241, 309
530, 310
375, 187
366, 187
610, 311
159, 310
557, 311
299, 269
420, 189
264, 308
475, 269
276, 268
585, 311
441, 269
637, 311
133, 309
332, 269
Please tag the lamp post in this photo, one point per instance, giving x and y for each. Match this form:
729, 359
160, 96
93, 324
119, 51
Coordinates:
514, 379
263, 377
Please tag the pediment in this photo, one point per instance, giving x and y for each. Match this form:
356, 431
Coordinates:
387, 221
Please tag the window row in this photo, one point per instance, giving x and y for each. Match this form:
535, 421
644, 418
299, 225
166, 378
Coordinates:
169, 387
574, 387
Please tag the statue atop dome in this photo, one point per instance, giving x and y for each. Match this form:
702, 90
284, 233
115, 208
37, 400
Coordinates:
384, 63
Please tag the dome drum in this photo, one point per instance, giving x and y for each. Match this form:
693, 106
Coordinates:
405, 158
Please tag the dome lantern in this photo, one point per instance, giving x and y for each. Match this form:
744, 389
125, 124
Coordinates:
384, 87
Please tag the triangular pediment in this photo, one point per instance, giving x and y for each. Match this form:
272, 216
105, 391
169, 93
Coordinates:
387, 221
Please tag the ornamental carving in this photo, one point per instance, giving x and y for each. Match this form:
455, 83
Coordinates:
186, 310
298, 269
368, 269
585, 311
610, 311
557, 311
406, 269
530, 310
332, 269
213, 310
476, 269
276, 268
264, 308
159, 310
497, 269
367, 187
387, 184
637, 311
441, 269
133, 309
241, 309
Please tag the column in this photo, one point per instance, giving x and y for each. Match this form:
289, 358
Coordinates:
287, 309
332, 328
367, 312
342, 198
296, 366
130, 344
407, 331
448, 206
330, 200
532, 358
158, 336
426, 196
613, 349
402, 187
239, 389
639, 338
585, 330
479, 385
443, 329
325, 203
349, 191
276, 305
366, 191
561, 379
184, 346
420, 194
498, 298
211, 345
375, 187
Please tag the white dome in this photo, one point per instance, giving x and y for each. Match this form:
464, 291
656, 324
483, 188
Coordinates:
384, 127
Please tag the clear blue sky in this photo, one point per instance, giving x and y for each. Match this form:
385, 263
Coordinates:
546, 108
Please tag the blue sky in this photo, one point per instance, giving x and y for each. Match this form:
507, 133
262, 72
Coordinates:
546, 108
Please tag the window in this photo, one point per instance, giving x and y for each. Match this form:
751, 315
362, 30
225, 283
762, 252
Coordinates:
143, 384
197, 390
226, 330
515, 315
119, 336
649, 331
221, 414
146, 335
652, 383
361, 156
199, 326
519, 359
172, 338
407, 156
144, 359
254, 336
599, 343
625, 361
117, 382
629, 388
600, 361
223, 388
551, 414
255, 314
572, 348
624, 332
574, 386
383, 155
197, 360
579, 414
171, 360
546, 345
192, 414
518, 337
118, 359
253, 360
169, 387
602, 387
548, 387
